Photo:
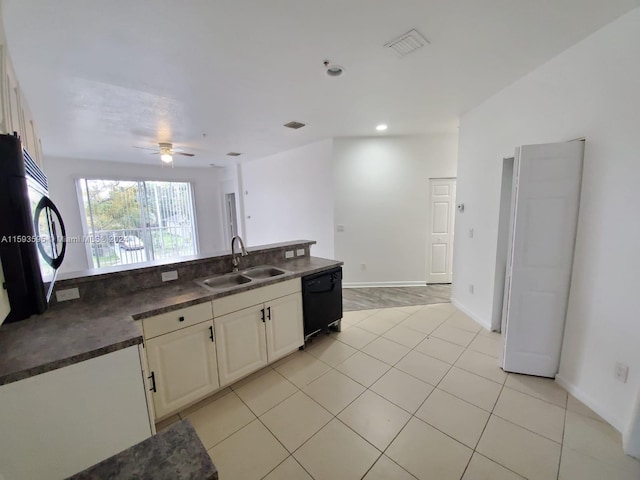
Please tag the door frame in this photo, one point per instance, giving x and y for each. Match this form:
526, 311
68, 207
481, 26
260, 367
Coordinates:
505, 226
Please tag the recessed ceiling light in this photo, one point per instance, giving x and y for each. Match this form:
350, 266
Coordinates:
381, 128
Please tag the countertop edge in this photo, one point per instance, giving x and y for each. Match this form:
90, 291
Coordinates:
72, 360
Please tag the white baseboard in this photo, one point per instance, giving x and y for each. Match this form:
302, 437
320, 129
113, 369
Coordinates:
416, 283
612, 420
484, 324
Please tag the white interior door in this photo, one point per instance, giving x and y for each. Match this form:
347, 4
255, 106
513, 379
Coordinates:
440, 248
547, 197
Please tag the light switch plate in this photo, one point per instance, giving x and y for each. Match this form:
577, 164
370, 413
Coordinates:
67, 294
168, 276
300, 252
289, 254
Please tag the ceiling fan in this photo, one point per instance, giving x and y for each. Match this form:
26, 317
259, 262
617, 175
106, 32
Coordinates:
166, 152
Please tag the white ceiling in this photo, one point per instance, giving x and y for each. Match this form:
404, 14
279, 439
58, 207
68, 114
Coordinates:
102, 76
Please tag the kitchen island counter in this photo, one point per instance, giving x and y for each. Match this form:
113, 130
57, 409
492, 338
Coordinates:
78, 330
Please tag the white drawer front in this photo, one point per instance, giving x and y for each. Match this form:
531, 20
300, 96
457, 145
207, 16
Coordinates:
176, 319
233, 303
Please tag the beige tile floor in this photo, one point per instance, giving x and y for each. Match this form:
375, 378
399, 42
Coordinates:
404, 393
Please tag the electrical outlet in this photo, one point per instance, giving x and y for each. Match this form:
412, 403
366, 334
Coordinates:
300, 252
68, 294
289, 254
621, 372
363, 266
471, 233
340, 228
168, 276
471, 288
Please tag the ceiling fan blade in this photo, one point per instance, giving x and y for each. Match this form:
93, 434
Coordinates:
185, 154
154, 153
145, 148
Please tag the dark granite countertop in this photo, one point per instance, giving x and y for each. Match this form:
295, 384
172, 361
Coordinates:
173, 454
78, 330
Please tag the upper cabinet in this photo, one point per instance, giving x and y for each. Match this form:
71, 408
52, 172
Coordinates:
15, 115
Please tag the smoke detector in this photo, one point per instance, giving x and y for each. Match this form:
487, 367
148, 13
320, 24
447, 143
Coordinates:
407, 43
295, 125
332, 69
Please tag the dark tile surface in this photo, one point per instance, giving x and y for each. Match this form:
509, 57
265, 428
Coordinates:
126, 279
381, 297
78, 330
173, 454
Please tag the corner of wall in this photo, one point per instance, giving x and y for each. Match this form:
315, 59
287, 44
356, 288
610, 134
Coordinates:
615, 421
486, 324
631, 434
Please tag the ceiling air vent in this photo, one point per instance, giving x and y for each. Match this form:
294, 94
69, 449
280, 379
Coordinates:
294, 125
233, 154
407, 43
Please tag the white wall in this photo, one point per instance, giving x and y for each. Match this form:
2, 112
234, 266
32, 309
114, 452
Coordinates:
590, 90
62, 174
289, 196
382, 199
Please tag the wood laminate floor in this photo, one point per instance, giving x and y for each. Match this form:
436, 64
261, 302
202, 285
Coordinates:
382, 297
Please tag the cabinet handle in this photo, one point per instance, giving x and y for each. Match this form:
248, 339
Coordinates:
268, 313
181, 319
211, 334
262, 315
152, 377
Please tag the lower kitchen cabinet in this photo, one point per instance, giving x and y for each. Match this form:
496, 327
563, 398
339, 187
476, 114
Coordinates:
60, 422
242, 345
253, 337
284, 326
182, 367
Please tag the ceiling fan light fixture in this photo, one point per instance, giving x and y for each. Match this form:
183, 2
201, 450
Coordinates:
166, 157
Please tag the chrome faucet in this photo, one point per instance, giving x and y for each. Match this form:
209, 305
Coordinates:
243, 251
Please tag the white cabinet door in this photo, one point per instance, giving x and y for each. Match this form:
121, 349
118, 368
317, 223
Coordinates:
241, 343
28, 134
13, 110
183, 366
284, 327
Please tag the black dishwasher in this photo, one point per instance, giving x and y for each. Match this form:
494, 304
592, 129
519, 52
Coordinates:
322, 301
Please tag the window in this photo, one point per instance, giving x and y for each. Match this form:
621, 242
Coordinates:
137, 221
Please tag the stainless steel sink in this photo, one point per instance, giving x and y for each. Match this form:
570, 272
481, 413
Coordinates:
263, 271
221, 282
227, 281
